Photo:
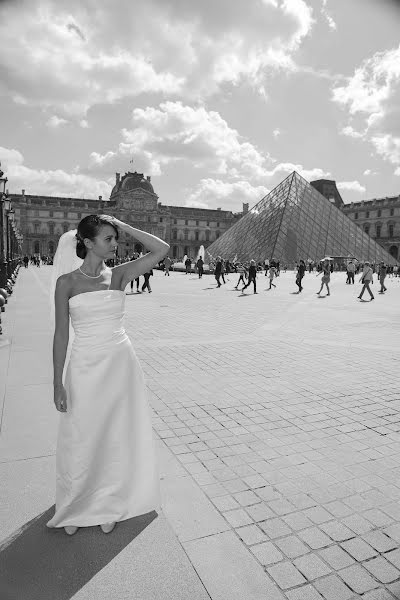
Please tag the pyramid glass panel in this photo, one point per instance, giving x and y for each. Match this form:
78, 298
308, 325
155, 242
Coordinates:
294, 221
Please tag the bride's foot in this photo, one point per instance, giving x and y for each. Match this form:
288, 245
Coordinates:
108, 527
70, 529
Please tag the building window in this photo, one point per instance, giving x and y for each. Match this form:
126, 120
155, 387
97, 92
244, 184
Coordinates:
186, 222
367, 214
37, 247
161, 219
36, 227
175, 222
186, 234
65, 214
197, 223
149, 219
208, 223
51, 228
391, 231
391, 212
217, 234
217, 224
79, 215
207, 236
197, 235
35, 213
50, 213
356, 215
379, 212
174, 234
378, 231
65, 227
366, 229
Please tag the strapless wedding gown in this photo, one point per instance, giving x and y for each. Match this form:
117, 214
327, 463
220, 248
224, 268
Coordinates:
107, 468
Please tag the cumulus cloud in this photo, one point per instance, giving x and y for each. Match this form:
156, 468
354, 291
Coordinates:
103, 54
351, 186
177, 132
327, 16
212, 193
55, 122
51, 182
373, 95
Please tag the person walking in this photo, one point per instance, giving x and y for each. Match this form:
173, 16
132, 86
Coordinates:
241, 271
167, 265
252, 276
326, 276
188, 265
301, 269
366, 279
200, 267
271, 275
381, 276
106, 459
146, 283
218, 270
26, 261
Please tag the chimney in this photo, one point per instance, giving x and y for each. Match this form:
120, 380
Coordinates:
148, 178
117, 178
245, 207
23, 192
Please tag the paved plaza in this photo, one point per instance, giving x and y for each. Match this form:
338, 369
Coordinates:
277, 421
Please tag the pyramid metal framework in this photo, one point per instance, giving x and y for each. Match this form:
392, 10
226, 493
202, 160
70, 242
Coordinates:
294, 221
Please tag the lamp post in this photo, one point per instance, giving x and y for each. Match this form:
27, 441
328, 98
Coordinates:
3, 257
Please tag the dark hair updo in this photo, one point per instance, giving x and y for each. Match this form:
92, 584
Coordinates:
89, 227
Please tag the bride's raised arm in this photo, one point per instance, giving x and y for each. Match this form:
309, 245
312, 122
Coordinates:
133, 269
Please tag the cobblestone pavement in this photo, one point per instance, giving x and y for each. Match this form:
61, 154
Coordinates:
285, 409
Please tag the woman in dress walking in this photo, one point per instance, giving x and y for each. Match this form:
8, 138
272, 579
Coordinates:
106, 461
326, 276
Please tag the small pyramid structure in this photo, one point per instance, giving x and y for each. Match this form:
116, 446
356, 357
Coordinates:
292, 222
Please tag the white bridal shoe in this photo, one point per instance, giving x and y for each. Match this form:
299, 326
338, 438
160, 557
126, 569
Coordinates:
108, 527
71, 529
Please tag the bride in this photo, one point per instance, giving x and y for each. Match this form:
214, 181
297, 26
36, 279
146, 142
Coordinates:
106, 467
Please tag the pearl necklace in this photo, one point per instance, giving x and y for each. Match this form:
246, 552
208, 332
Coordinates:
91, 276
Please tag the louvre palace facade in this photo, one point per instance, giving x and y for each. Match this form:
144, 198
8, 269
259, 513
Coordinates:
43, 219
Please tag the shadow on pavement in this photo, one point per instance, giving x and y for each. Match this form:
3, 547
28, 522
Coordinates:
38, 563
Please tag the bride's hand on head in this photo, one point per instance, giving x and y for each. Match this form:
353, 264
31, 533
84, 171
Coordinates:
111, 219
60, 398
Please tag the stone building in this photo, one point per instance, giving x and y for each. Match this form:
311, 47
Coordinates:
380, 217
42, 219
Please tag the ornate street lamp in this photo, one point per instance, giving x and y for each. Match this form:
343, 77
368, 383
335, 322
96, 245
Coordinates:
3, 257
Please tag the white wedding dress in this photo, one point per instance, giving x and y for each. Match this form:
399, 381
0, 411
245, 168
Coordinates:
106, 462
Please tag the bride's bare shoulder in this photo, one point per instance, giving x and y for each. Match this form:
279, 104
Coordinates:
67, 281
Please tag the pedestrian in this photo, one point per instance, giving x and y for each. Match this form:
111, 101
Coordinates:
146, 283
381, 276
106, 461
26, 261
241, 270
167, 265
223, 270
218, 270
366, 279
252, 276
326, 276
351, 269
301, 269
188, 265
272, 274
200, 266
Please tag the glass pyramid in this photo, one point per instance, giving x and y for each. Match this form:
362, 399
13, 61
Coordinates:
295, 221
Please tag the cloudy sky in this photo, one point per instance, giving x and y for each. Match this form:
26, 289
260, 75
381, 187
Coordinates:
217, 100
